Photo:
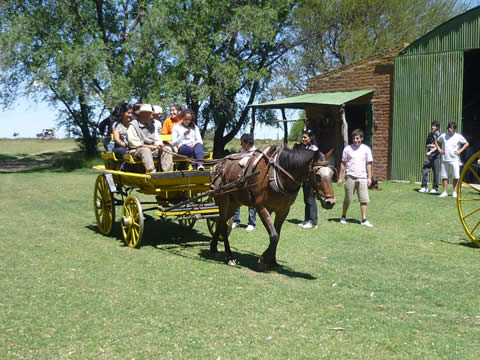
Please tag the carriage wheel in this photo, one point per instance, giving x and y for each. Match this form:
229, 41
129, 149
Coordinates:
468, 199
132, 221
187, 223
103, 205
212, 226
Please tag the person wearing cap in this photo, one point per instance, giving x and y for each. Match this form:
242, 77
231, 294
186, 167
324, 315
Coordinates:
157, 117
145, 142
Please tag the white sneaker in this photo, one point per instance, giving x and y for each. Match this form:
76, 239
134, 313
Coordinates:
302, 223
200, 168
235, 225
433, 191
454, 194
309, 225
343, 220
443, 194
250, 228
366, 223
423, 189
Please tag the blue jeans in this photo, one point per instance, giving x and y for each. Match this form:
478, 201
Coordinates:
252, 220
196, 152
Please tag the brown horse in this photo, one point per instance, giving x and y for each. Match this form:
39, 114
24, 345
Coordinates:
280, 174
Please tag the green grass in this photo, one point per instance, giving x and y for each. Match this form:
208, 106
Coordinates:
404, 289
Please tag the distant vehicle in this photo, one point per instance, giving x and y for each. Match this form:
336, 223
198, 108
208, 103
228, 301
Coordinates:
46, 134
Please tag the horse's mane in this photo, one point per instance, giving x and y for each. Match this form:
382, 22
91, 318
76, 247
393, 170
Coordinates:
295, 159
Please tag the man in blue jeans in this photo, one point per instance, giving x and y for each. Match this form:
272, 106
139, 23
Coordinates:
246, 141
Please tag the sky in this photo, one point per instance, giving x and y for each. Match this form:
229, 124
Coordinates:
29, 118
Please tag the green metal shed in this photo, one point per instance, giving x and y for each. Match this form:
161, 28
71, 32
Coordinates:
437, 77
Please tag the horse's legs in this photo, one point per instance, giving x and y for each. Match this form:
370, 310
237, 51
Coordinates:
268, 257
279, 219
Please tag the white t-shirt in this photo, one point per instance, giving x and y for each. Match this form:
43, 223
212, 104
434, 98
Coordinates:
450, 145
356, 160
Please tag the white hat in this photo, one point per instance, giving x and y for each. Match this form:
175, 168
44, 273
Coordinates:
144, 108
157, 109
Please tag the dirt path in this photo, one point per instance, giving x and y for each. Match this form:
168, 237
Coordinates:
17, 165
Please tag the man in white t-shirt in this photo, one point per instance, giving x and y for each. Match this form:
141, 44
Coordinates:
450, 156
357, 167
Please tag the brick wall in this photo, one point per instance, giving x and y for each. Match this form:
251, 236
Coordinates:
374, 73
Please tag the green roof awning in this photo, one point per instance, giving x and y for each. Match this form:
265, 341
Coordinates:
301, 101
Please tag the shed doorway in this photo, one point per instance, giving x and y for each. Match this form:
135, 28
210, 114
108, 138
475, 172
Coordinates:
360, 116
471, 102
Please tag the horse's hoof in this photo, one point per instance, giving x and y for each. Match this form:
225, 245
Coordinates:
233, 262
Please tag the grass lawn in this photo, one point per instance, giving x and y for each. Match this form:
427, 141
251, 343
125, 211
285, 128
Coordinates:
404, 289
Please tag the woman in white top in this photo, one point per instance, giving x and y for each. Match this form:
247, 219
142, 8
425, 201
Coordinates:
122, 116
187, 139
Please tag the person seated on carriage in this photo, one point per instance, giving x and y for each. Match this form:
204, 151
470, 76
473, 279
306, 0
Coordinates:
157, 117
187, 139
122, 115
171, 121
145, 142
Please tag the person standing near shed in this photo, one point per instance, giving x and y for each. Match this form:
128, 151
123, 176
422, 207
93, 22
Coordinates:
451, 156
356, 166
432, 160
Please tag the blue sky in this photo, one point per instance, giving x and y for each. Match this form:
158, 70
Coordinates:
29, 118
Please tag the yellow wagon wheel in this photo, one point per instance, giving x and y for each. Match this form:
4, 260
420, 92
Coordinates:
187, 223
103, 205
132, 221
468, 200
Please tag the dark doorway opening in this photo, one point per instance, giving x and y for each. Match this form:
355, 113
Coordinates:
471, 102
359, 117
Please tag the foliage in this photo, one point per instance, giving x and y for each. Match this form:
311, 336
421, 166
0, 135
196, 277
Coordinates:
85, 56
332, 33
296, 131
223, 53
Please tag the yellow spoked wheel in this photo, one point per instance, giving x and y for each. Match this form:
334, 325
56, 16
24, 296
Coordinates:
187, 223
212, 226
103, 205
132, 221
468, 198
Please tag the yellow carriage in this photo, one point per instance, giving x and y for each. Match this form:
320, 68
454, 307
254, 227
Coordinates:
468, 198
181, 194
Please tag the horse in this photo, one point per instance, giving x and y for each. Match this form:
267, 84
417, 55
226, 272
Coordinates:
275, 175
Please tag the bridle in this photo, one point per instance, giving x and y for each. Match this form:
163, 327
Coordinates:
314, 169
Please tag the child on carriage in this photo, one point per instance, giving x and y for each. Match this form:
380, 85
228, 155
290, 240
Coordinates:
187, 139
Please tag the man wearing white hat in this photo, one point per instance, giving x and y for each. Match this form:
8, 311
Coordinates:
145, 142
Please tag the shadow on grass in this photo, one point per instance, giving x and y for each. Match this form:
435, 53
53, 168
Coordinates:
352, 221
466, 243
45, 162
175, 239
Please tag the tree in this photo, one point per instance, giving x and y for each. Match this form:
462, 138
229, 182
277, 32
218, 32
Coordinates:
222, 54
333, 33
72, 53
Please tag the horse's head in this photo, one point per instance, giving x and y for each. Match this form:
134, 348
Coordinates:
321, 178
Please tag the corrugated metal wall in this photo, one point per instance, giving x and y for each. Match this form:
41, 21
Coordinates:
459, 33
426, 88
